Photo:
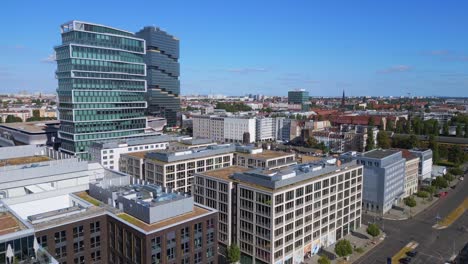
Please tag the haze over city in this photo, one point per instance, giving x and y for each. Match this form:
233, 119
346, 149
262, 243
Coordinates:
268, 47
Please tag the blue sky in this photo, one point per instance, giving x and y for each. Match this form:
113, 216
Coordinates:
263, 47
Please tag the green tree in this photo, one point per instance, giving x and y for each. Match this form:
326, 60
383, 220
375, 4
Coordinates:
370, 142
459, 132
13, 119
456, 155
410, 201
233, 254
440, 182
445, 129
413, 141
343, 248
382, 140
390, 125
371, 121
449, 177
456, 171
422, 194
373, 230
434, 146
324, 260
311, 142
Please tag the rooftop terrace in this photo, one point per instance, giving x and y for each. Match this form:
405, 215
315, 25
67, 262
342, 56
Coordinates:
9, 223
23, 160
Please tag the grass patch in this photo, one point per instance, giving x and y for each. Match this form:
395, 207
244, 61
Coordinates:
359, 250
130, 219
89, 199
446, 163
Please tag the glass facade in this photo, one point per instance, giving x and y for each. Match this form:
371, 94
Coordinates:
162, 60
101, 85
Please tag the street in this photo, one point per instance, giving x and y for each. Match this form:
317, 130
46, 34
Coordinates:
435, 246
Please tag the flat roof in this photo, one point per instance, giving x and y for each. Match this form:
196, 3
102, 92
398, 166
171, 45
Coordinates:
135, 141
224, 173
139, 154
9, 223
196, 212
31, 127
379, 153
267, 154
23, 160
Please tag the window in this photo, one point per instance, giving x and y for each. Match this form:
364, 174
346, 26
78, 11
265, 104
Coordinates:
79, 260
78, 231
96, 255
78, 246
95, 241
42, 241
95, 227
60, 236
61, 252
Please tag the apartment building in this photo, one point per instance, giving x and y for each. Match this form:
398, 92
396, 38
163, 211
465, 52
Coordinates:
425, 163
108, 152
411, 172
385, 179
281, 216
265, 129
208, 126
251, 157
332, 140
240, 129
175, 170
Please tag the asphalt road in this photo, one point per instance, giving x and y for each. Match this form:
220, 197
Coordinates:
435, 246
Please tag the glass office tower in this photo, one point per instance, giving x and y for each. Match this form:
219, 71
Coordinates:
101, 85
162, 60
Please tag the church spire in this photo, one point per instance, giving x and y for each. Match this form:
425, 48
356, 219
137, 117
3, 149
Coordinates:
343, 100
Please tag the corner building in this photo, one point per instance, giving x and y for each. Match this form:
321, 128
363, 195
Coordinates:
101, 85
282, 216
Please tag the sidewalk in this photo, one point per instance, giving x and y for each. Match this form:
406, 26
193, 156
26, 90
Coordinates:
407, 212
359, 239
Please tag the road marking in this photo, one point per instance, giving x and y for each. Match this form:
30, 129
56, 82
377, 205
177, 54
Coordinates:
410, 246
453, 216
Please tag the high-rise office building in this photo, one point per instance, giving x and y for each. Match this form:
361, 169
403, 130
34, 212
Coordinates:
298, 96
101, 85
162, 60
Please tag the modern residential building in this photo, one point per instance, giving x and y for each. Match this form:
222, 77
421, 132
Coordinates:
108, 152
240, 129
265, 129
384, 178
411, 172
175, 170
281, 216
251, 157
162, 61
101, 85
425, 163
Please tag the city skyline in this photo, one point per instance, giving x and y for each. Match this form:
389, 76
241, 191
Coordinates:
266, 47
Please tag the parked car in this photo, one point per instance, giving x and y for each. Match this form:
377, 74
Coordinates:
442, 194
412, 253
405, 260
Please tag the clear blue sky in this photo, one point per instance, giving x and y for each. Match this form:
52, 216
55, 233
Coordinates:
266, 47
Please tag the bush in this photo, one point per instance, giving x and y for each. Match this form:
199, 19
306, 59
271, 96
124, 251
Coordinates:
430, 189
324, 260
359, 250
410, 201
449, 177
343, 248
422, 194
456, 171
373, 230
440, 182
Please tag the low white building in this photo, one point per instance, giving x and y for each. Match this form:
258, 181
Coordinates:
265, 129
425, 162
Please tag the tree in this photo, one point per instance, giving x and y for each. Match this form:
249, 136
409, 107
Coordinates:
370, 142
343, 248
459, 132
434, 146
410, 201
449, 177
445, 129
311, 142
456, 171
413, 141
373, 230
466, 129
382, 140
233, 254
13, 119
371, 121
440, 182
456, 155
324, 260
422, 194
390, 125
